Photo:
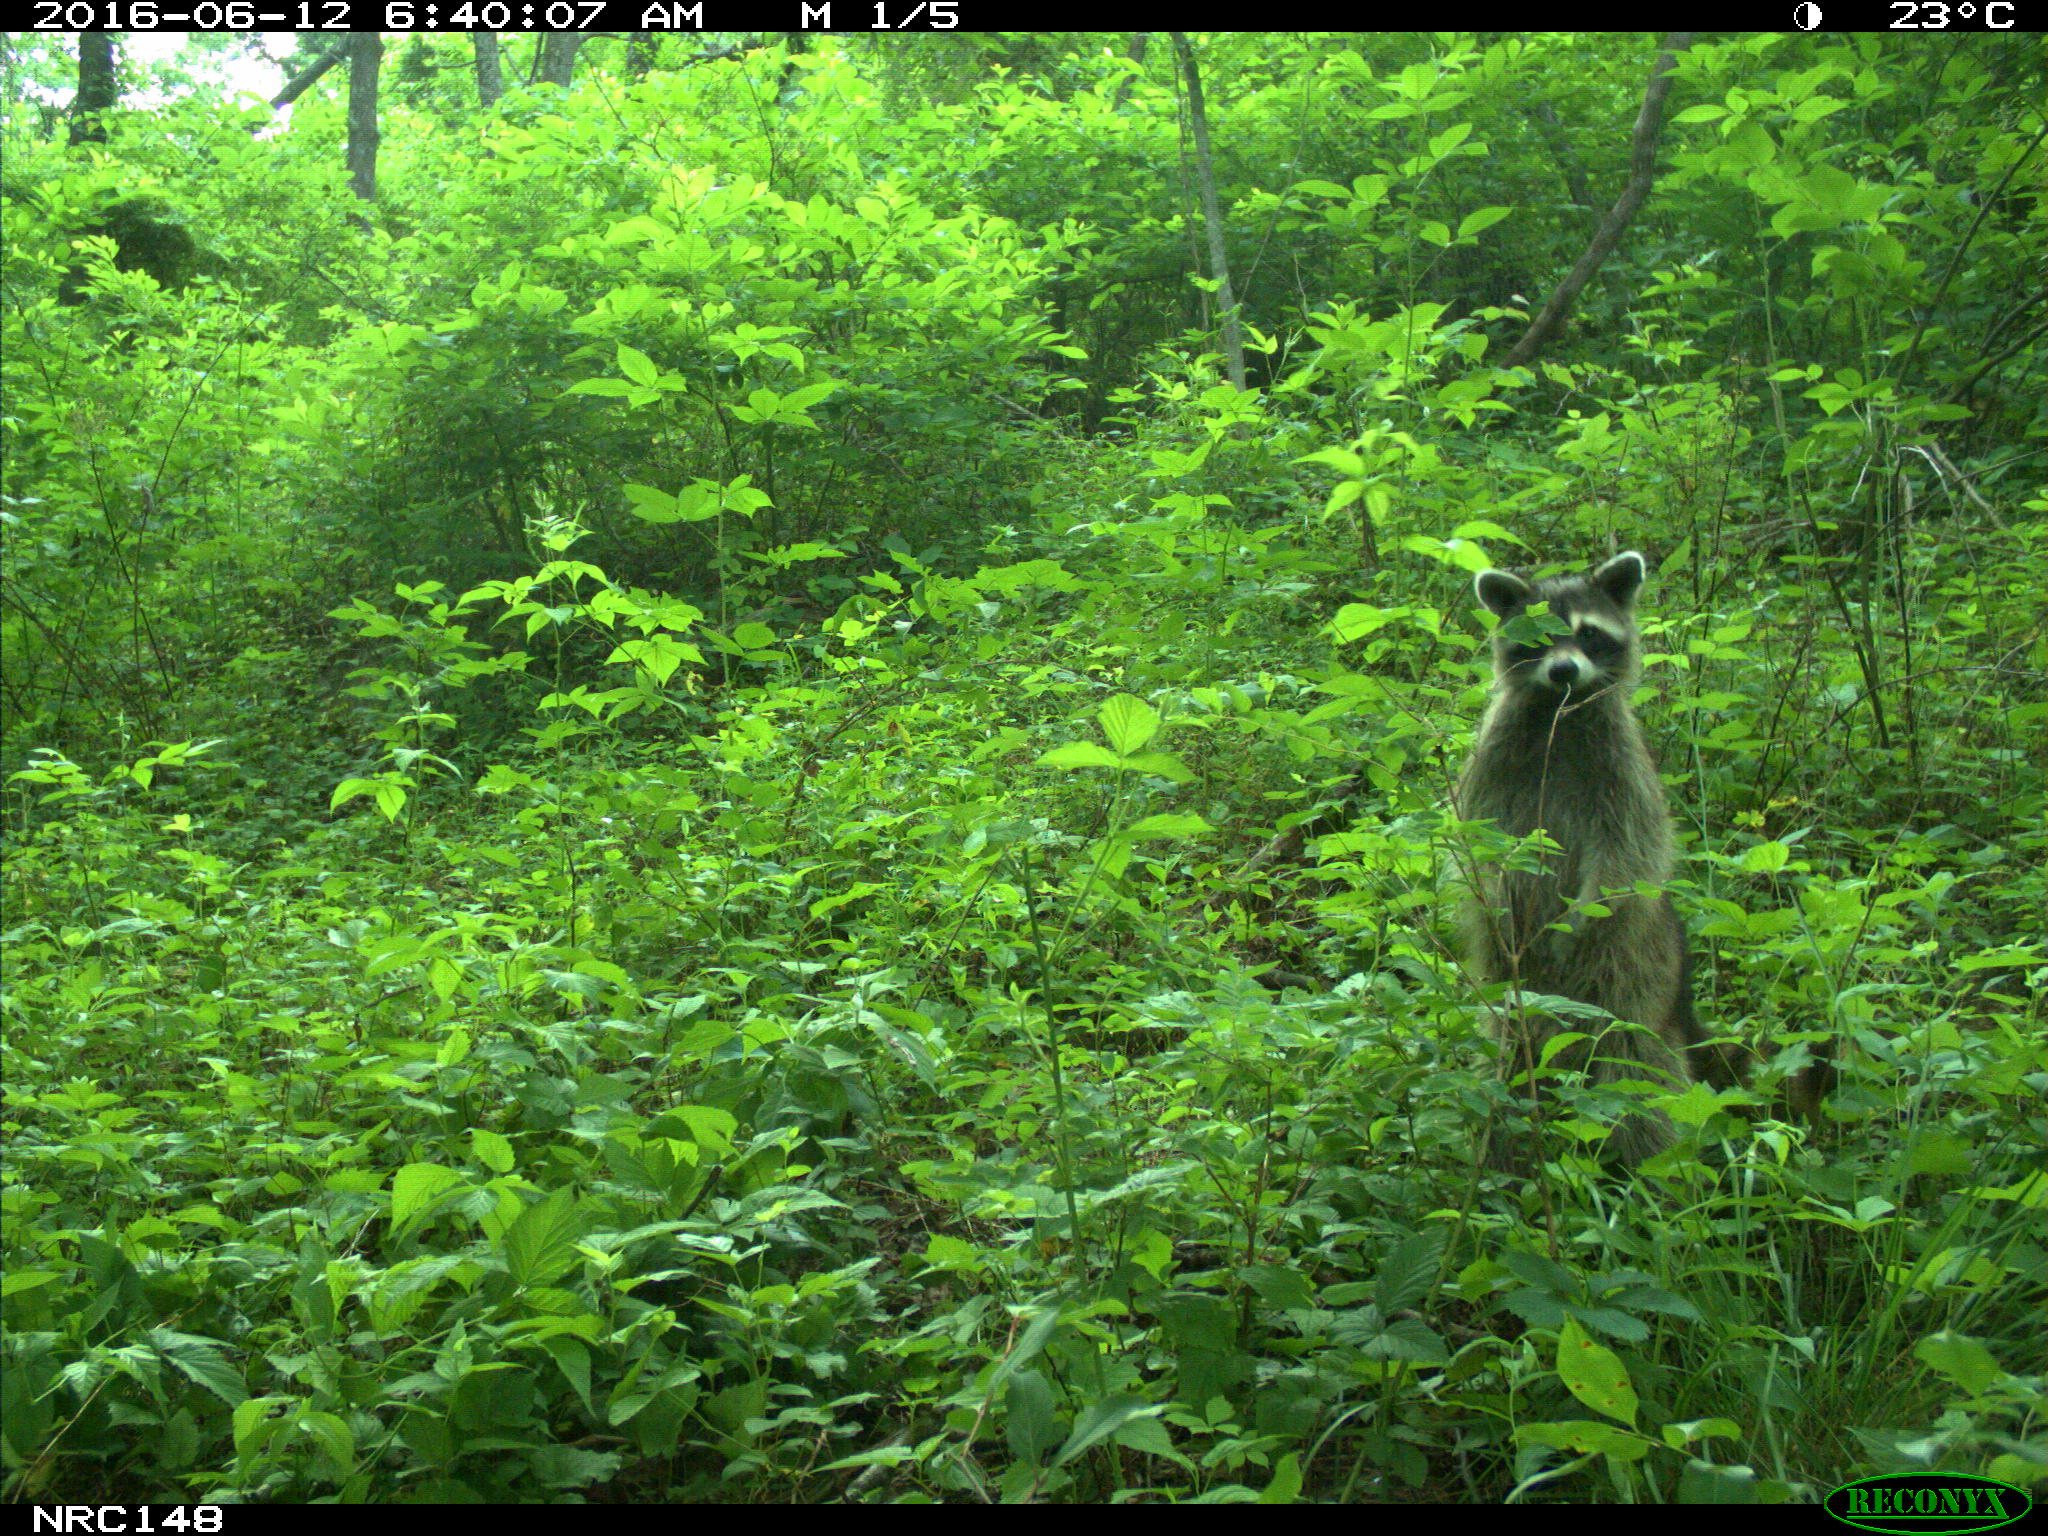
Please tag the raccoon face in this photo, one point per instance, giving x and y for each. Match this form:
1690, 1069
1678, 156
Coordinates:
1591, 633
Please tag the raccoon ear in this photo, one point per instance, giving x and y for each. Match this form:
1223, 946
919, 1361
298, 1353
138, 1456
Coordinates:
1622, 577
1502, 592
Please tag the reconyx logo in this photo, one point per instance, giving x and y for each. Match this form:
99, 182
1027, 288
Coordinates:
1934, 1501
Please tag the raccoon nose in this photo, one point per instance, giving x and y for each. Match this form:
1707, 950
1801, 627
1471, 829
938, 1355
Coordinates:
1563, 670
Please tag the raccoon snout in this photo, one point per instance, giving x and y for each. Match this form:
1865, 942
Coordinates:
1566, 670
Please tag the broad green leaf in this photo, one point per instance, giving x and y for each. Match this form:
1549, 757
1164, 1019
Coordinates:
492, 1150
541, 1242
1481, 219
1169, 825
1764, 858
332, 1434
1030, 1424
1586, 1437
205, 1361
1284, 1486
1163, 764
1103, 1419
416, 1188
1026, 1349
1080, 754
1129, 723
1962, 1359
1406, 1274
638, 366
1594, 1374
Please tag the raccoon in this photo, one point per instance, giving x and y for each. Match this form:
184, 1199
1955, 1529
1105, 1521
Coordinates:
1559, 751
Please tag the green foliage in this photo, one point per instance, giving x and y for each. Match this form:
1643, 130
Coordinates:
674, 319
635, 858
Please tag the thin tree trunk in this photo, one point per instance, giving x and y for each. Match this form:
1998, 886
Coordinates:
1205, 177
1642, 170
558, 57
1136, 56
490, 73
96, 89
365, 58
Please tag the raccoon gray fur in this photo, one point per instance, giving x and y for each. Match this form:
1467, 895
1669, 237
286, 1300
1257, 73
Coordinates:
1559, 751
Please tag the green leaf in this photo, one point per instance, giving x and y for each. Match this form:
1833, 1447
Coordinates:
1940, 1152
615, 389
1406, 1274
1164, 764
1481, 219
1962, 1359
853, 892
803, 399
416, 1188
1585, 1437
1343, 460
1026, 1349
570, 1466
1080, 754
1354, 621
331, 1433
945, 1252
1101, 1420
653, 506
541, 1242
1281, 1286
1170, 825
203, 1361
572, 1359
1029, 1423
254, 1426
492, 1150
1129, 723
349, 789
1705, 1482
638, 366
1594, 1374
1764, 858
1284, 1487
1443, 143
